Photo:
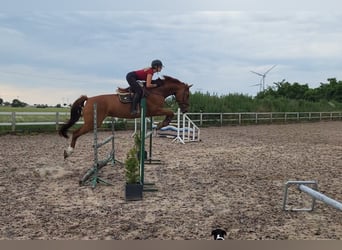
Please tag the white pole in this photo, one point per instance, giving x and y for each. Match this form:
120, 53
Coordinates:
321, 197
178, 122
178, 138
184, 127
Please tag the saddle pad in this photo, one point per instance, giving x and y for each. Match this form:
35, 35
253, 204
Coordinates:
127, 98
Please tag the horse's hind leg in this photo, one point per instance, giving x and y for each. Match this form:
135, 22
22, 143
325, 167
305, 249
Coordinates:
87, 126
77, 133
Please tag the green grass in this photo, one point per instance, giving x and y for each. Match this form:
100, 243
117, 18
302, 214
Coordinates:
32, 109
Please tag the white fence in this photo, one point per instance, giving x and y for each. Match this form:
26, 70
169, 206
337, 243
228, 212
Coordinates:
17, 119
261, 117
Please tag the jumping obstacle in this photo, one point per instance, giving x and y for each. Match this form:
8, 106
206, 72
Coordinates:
143, 135
303, 186
149, 134
149, 131
91, 175
186, 130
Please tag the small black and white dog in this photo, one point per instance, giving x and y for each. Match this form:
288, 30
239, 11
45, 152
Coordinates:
218, 234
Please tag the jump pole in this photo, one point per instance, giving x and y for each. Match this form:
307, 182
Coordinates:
187, 130
142, 146
148, 133
178, 137
150, 159
92, 174
303, 186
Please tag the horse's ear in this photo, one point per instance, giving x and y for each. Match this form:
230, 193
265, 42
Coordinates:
190, 85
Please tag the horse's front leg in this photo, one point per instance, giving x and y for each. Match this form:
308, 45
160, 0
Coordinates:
168, 118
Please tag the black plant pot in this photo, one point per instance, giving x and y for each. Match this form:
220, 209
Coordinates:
134, 192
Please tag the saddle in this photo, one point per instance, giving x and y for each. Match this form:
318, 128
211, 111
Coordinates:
126, 94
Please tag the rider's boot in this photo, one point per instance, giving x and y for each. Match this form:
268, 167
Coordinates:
135, 102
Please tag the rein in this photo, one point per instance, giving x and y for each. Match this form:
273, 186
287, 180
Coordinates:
182, 102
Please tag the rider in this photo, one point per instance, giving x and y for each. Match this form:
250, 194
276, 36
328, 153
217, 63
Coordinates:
142, 75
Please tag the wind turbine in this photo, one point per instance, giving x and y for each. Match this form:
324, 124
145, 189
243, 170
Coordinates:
263, 76
258, 84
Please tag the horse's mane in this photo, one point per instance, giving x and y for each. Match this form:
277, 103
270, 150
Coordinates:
165, 78
169, 78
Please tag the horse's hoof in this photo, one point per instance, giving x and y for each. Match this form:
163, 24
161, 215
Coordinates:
159, 126
68, 152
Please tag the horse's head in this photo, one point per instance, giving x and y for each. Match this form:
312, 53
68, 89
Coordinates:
182, 97
170, 86
181, 91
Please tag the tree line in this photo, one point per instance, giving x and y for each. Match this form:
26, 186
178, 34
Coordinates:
14, 103
281, 97
331, 91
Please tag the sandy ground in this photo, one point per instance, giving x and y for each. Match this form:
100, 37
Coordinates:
233, 179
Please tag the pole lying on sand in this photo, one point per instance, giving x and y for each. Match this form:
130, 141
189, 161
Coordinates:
321, 197
303, 186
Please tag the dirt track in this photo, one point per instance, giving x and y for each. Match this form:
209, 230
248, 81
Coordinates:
233, 179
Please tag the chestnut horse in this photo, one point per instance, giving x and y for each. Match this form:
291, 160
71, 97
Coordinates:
110, 105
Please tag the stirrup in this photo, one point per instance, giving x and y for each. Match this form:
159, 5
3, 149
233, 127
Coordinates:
135, 112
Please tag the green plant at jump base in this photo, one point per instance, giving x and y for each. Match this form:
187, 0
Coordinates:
132, 166
137, 141
134, 187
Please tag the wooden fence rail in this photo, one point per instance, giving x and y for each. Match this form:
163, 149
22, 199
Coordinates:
13, 120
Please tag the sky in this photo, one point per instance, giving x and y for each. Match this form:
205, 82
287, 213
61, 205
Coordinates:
51, 54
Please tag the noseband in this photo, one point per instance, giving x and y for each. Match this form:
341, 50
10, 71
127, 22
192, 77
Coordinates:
183, 104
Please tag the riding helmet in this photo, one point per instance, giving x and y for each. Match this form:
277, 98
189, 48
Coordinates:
156, 63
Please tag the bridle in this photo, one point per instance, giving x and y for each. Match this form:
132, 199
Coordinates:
183, 104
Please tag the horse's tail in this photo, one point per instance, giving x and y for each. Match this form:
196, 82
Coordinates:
75, 114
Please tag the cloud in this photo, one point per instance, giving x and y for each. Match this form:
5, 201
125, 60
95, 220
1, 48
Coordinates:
175, 5
90, 52
34, 86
